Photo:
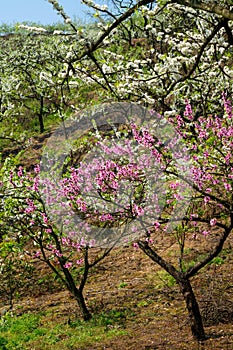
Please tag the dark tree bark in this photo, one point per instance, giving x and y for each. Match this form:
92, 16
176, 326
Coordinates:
78, 292
195, 318
40, 115
67, 279
182, 280
82, 305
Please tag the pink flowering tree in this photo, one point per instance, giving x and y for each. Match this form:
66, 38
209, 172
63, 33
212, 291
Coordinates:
110, 180
108, 191
209, 217
144, 182
24, 219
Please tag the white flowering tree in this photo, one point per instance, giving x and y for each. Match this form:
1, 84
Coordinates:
161, 53
35, 80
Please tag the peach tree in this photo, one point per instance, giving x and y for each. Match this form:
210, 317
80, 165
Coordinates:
122, 174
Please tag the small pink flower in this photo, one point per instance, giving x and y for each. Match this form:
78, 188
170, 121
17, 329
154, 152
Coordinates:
37, 169
174, 185
152, 112
45, 219
205, 233
227, 186
206, 199
65, 241
48, 230
57, 253
149, 240
188, 110
213, 222
20, 171
156, 225
67, 265
80, 261
208, 190
92, 243
138, 210
37, 254
106, 217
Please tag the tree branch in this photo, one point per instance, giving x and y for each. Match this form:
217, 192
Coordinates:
211, 7
94, 46
213, 253
200, 53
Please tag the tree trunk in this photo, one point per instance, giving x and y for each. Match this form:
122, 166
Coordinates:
193, 309
196, 324
40, 115
82, 305
77, 293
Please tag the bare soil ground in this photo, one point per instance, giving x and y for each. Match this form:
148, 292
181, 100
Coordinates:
156, 317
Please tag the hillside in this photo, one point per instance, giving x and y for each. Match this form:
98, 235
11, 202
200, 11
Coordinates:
135, 306
116, 179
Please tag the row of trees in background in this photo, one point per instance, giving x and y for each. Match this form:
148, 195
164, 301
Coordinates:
157, 55
36, 80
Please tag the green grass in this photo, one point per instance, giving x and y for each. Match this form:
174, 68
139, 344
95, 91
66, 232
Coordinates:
43, 332
165, 280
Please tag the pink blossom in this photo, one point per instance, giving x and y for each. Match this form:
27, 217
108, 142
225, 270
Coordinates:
80, 261
180, 121
57, 253
227, 158
227, 105
227, 186
35, 186
31, 206
174, 185
208, 190
48, 230
37, 254
177, 196
188, 110
152, 112
138, 210
20, 171
213, 222
83, 242
37, 169
106, 217
206, 199
149, 240
205, 233
65, 241
45, 219
67, 265
156, 225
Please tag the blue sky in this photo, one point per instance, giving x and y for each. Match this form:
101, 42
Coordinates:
39, 11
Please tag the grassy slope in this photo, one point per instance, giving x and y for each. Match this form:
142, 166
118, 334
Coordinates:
135, 306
